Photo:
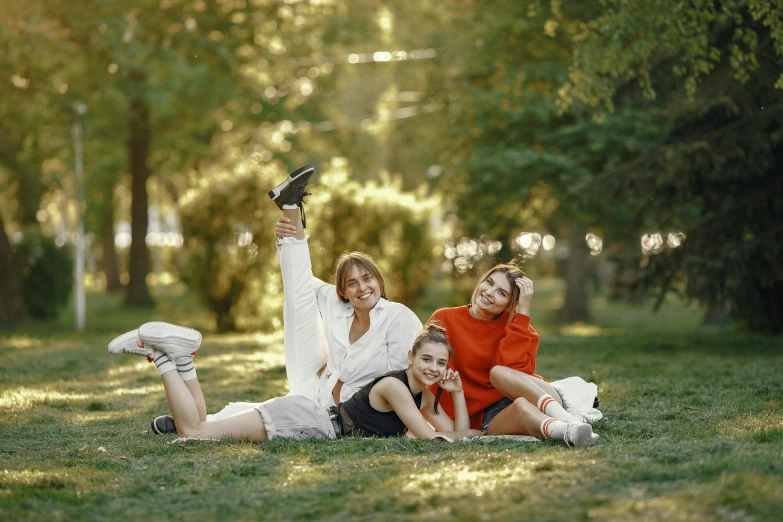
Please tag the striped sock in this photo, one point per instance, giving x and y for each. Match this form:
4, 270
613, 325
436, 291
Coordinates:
552, 429
549, 406
186, 368
162, 362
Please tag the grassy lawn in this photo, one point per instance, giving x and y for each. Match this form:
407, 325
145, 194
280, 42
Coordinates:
693, 431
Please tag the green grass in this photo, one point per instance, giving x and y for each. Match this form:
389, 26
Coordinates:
693, 431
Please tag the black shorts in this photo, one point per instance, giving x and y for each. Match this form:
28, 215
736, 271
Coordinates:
491, 411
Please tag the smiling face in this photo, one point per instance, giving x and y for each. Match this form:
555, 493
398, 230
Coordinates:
428, 365
361, 287
493, 295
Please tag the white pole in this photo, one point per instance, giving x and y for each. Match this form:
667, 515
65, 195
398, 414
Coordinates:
78, 268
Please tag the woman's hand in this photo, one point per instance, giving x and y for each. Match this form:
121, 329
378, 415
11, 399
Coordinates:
284, 228
451, 382
525, 295
469, 434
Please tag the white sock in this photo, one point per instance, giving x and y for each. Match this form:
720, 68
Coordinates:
290, 207
549, 406
186, 368
552, 429
163, 362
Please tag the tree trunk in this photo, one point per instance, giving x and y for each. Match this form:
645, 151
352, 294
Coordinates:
11, 305
136, 293
109, 259
575, 306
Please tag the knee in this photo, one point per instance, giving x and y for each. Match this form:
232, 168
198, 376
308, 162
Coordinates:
523, 408
496, 375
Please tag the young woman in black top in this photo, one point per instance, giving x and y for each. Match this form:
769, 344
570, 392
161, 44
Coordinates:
389, 406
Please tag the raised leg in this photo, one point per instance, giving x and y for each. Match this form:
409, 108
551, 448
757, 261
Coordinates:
243, 426
305, 342
195, 390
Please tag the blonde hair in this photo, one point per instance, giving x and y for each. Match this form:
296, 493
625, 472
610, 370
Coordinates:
512, 272
344, 264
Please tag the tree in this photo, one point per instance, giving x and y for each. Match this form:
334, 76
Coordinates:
11, 305
714, 75
507, 60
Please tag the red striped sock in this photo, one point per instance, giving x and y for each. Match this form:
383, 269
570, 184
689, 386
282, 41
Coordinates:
549, 406
552, 429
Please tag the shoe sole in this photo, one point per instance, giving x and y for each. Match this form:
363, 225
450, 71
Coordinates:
160, 333
275, 192
115, 346
168, 425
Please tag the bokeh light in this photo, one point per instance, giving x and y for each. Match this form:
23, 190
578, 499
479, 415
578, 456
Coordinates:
652, 243
594, 243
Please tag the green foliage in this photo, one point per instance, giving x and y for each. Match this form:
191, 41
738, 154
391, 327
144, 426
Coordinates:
47, 274
648, 43
712, 166
228, 222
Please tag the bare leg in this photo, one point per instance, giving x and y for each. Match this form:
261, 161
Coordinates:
514, 384
247, 426
195, 391
521, 418
296, 220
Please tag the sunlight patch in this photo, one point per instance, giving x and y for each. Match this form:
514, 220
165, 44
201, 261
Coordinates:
750, 425
21, 341
26, 398
587, 330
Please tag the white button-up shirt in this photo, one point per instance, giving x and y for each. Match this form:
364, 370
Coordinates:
383, 348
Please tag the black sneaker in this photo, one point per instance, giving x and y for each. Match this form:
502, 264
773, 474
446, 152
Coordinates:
163, 425
292, 190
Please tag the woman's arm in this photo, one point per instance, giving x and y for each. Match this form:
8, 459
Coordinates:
519, 347
440, 420
401, 333
393, 392
452, 383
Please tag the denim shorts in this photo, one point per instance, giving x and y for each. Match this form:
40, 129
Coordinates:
492, 410
296, 417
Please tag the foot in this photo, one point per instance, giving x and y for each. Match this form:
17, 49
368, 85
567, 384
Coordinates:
129, 342
163, 425
291, 192
579, 435
175, 341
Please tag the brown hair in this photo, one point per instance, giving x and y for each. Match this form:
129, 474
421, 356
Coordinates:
433, 333
512, 273
344, 264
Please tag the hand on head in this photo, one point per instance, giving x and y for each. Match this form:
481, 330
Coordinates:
284, 228
451, 381
525, 286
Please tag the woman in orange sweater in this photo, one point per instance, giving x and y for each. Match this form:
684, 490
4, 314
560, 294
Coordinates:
495, 354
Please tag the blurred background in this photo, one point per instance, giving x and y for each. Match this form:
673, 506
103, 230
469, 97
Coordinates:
623, 151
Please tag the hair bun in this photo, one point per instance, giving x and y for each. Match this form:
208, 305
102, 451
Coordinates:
434, 326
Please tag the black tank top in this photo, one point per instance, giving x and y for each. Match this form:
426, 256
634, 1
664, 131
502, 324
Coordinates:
365, 421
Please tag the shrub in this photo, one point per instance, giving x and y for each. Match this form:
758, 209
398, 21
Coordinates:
47, 274
228, 223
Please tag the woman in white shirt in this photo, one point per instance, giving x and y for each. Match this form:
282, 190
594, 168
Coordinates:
338, 337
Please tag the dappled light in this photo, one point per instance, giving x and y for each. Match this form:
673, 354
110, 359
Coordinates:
625, 155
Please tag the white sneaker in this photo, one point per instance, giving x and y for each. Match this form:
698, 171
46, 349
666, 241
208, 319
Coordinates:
579, 435
129, 342
175, 341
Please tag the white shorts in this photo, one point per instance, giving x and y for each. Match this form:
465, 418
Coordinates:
296, 417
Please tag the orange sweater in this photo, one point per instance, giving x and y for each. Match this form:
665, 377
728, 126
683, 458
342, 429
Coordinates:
480, 345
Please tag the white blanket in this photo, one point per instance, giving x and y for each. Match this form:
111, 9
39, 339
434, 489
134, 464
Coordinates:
578, 397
